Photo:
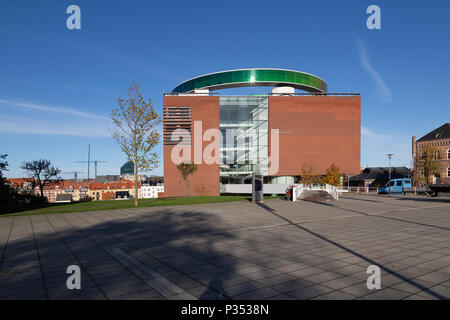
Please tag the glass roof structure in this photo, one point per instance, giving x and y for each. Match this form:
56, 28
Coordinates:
254, 77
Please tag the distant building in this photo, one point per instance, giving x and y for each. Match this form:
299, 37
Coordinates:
379, 176
73, 190
127, 168
105, 191
25, 184
152, 188
63, 198
94, 190
131, 177
108, 178
127, 172
440, 139
77, 190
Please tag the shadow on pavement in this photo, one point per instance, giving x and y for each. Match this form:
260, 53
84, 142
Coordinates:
383, 217
370, 261
27, 273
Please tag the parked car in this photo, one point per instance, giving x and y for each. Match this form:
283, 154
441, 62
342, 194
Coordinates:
396, 186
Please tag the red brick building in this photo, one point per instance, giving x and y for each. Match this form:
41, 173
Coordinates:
439, 138
229, 137
21, 183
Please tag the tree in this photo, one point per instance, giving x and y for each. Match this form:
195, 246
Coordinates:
332, 176
134, 130
3, 164
3, 187
186, 169
308, 176
426, 164
42, 171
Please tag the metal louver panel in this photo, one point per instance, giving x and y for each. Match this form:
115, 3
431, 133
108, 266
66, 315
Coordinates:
177, 118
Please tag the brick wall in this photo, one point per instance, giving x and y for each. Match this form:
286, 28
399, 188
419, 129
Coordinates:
317, 131
206, 179
443, 146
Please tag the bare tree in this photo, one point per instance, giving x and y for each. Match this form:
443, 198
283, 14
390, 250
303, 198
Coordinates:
134, 129
186, 169
426, 164
43, 172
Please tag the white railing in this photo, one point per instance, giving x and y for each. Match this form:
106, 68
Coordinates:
297, 192
359, 189
247, 188
281, 189
333, 191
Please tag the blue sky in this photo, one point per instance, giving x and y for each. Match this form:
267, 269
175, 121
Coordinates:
58, 86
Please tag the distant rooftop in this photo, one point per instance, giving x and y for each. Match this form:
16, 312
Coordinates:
382, 173
385, 169
443, 132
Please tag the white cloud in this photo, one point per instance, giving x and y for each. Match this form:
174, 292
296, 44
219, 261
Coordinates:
62, 109
366, 132
367, 65
375, 146
63, 128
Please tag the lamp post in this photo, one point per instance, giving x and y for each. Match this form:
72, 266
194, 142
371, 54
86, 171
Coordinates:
390, 156
348, 181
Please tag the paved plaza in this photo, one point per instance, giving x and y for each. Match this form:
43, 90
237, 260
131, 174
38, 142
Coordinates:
235, 250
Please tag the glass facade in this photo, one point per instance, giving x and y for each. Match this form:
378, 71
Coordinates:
247, 77
244, 137
127, 168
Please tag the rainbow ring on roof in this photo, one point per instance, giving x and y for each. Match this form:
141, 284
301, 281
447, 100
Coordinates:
254, 77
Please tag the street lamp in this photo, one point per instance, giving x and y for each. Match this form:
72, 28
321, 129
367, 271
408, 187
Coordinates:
390, 156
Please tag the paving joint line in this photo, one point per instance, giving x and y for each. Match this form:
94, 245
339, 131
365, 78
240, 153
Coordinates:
76, 257
7, 241
39, 258
110, 251
158, 282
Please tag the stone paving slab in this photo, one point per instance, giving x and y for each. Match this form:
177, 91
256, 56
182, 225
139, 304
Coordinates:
275, 250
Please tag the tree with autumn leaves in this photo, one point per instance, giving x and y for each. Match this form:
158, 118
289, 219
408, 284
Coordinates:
134, 129
309, 177
332, 176
426, 164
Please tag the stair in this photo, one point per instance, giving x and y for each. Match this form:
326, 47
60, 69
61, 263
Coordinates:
316, 195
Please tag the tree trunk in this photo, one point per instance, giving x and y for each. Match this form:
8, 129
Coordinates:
41, 188
135, 184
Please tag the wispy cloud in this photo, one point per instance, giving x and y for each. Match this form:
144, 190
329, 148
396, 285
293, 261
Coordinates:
46, 108
367, 65
366, 132
375, 146
22, 125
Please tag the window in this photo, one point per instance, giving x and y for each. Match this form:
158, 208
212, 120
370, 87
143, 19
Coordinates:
399, 183
448, 154
437, 155
448, 172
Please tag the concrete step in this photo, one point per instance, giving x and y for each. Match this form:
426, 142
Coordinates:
316, 195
